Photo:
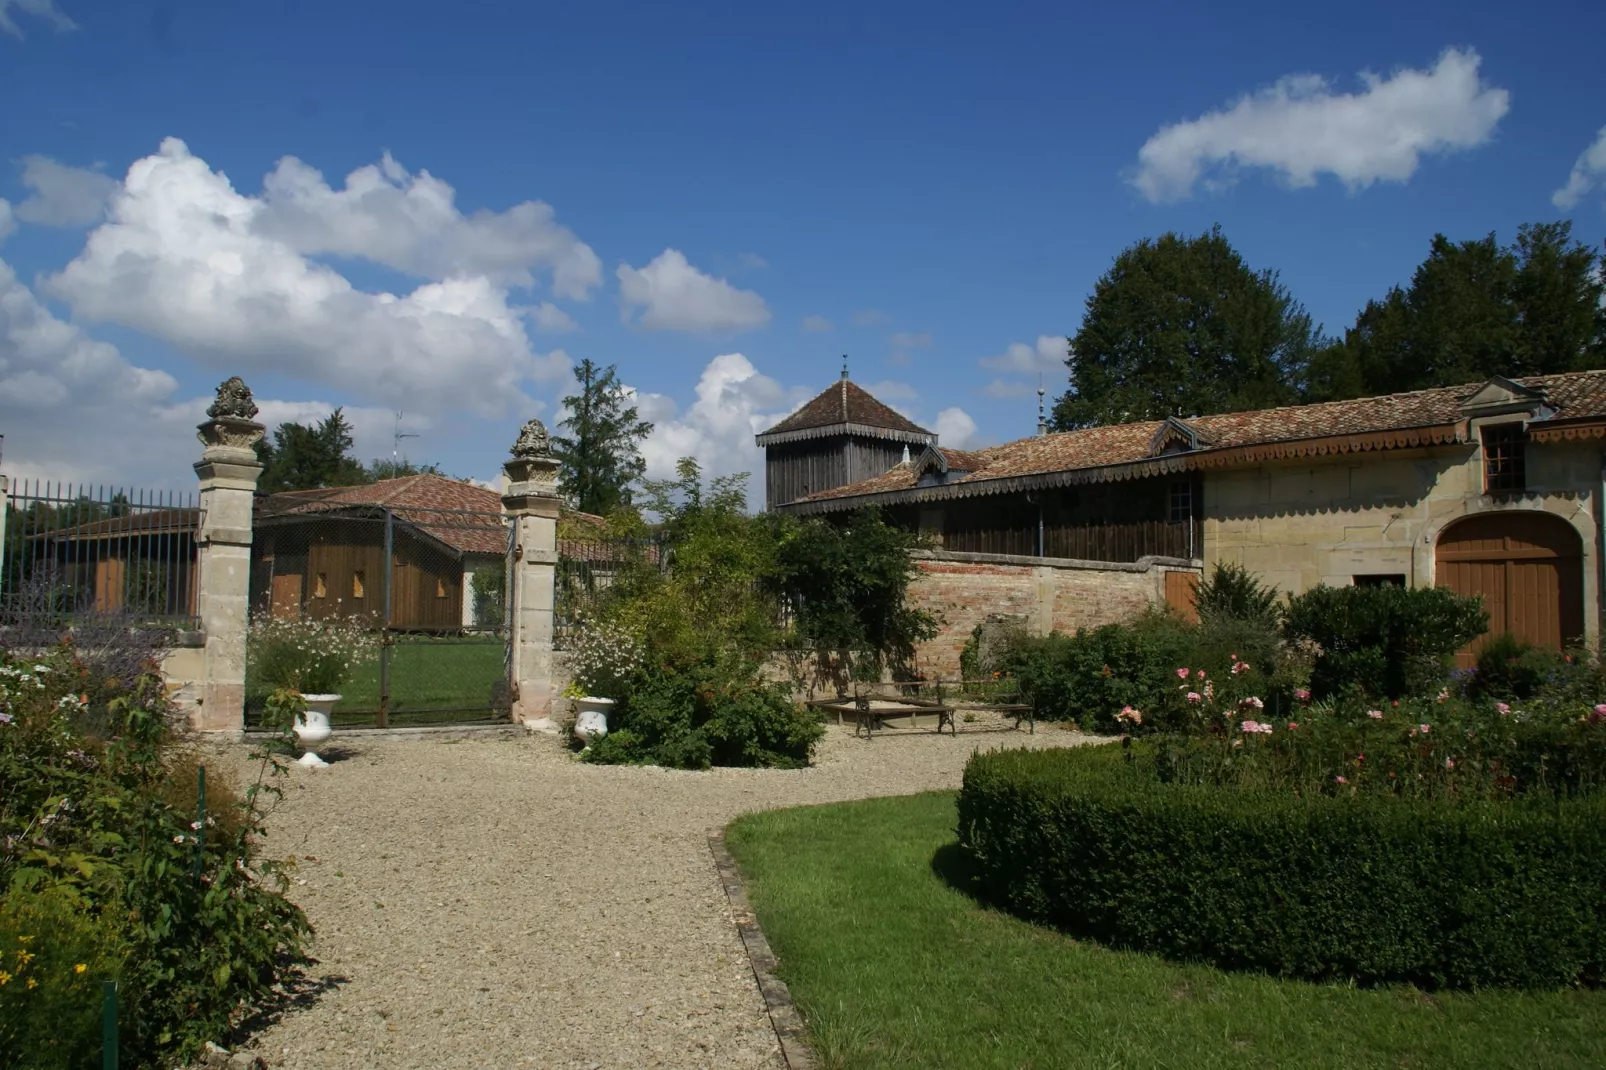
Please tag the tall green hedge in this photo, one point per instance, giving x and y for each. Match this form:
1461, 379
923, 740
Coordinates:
1370, 889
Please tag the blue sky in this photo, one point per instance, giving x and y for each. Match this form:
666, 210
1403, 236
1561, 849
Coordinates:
734, 195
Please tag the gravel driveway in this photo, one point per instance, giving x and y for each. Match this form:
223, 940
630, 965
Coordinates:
495, 903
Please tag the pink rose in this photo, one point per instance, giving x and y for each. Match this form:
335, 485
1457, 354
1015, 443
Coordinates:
1499, 706
1199, 673
1342, 779
1182, 673
1293, 726
1376, 715
1193, 696
1302, 694
1423, 728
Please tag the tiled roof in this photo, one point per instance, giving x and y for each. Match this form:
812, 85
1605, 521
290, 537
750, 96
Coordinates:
178, 521
846, 402
1415, 418
463, 516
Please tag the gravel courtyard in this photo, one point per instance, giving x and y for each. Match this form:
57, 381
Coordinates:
494, 903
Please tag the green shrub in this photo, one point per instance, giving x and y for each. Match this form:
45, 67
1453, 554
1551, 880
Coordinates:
54, 954
1417, 748
202, 926
705, 713
1512, 668
1365, 888
1234, 593
1090, 677
1384, 641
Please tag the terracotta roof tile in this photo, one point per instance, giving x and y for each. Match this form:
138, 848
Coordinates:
1572, 395
463, 516
846, 402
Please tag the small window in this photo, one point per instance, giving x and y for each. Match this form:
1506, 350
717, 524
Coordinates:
357, 587
1380, 579
320, 589
1181, 507
440, 587
1505, 458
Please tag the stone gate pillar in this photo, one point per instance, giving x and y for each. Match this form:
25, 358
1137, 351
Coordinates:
531, 501
228, 471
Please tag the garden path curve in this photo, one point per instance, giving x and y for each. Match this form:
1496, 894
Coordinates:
496, 904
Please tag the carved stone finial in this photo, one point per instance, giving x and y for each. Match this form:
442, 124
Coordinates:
533, 441
233, 401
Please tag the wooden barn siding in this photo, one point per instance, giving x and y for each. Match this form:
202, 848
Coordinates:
291, 559
797, 469
1120, 522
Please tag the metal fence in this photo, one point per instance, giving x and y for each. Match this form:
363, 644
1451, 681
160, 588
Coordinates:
592, 571
430, 584
73, 551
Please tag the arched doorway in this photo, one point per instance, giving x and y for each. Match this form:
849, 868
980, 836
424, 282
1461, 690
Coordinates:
1527, 566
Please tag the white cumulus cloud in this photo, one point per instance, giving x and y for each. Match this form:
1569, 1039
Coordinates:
41, 9
955, 429
8, 224
551, 318
411, 222
1047, 354
1588, 172
1300, 128
669, 294
63, 196
75, 409
187, 259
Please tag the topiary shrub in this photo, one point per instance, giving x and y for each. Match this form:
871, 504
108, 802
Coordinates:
1369, 888
1384, 641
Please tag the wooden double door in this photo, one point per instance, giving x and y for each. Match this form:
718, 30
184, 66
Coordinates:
1527, 567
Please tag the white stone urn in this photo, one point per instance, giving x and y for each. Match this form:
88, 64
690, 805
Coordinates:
313, 727
591, 717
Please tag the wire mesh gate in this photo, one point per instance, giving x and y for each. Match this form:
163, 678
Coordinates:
431, 583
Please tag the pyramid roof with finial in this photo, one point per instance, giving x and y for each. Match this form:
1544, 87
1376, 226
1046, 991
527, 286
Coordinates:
846, 408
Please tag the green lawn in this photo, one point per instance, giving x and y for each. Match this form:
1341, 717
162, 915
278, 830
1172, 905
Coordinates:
432, 681
893, 966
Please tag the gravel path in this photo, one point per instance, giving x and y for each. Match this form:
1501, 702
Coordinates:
497, 904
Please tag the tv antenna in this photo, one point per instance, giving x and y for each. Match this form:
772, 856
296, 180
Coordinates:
396, 437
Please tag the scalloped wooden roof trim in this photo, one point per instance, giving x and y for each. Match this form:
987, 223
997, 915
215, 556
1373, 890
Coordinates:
1584, 430
1171, 464
805, 434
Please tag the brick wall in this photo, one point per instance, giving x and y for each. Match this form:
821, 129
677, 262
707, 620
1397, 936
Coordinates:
1051, 595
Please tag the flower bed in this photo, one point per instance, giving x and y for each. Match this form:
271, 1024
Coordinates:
1371, 886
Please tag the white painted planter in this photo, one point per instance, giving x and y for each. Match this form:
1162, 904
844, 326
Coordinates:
591, 717
313, 727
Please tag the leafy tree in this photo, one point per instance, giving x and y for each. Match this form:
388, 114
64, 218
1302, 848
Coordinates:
1180, 327
303, 458
389, 468
1475, 309
848, 585
600, 454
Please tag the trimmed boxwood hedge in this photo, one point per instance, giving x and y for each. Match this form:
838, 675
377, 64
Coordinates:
1370, 889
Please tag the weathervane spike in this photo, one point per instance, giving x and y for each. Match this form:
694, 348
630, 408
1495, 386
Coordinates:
844, 365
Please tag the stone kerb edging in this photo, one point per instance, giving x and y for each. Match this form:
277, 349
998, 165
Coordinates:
784, 1017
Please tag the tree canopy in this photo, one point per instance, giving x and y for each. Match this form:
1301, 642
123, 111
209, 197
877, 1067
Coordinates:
1475, 309
305, 457
302, 457
601, 453
1183, 326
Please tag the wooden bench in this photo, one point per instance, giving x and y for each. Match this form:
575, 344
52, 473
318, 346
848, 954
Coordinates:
872, 706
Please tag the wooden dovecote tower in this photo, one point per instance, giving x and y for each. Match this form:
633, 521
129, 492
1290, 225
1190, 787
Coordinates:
842, 436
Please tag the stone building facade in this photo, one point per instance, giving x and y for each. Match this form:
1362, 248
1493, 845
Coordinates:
1493, 489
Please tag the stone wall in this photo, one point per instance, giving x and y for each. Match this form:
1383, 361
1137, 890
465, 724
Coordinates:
1046, 594
1329, 520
